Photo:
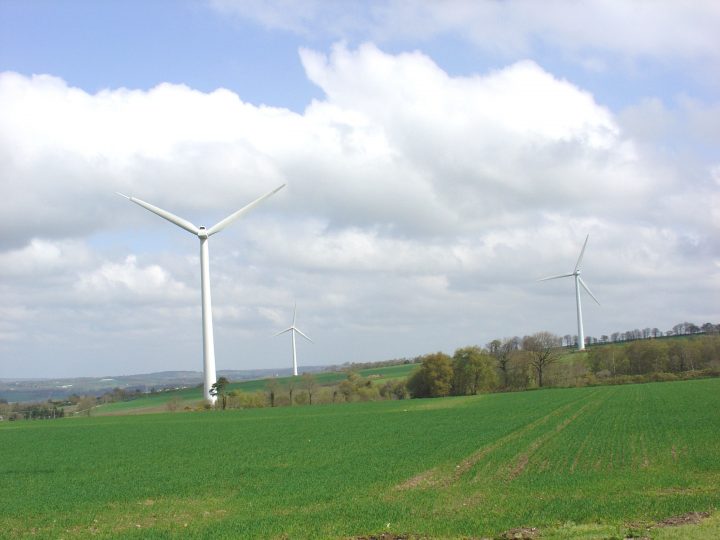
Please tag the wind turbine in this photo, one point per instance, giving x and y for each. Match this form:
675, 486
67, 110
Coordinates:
203, 234
578, 282
293, 329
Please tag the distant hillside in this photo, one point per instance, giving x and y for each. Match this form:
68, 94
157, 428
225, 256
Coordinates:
19, 390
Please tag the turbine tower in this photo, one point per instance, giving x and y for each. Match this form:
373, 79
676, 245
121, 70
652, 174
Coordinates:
293, 329
203, 234
578, 282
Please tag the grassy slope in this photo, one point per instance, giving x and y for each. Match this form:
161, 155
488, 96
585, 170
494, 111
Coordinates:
589, 462
192, 396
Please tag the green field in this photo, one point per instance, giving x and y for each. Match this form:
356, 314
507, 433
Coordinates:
575, 463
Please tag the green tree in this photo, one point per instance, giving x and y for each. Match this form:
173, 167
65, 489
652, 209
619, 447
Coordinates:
434, 377
647, 356
395, 389
347, 389
219, 389
503, 352
473, 371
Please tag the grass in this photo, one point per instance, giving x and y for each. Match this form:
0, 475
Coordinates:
576, 463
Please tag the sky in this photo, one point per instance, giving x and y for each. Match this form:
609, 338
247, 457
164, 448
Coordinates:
440, 158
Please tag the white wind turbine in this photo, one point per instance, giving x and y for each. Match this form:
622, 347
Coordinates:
292, 330
578, 282
203, 234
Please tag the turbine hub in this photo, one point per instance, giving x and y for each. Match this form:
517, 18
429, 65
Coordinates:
203, 233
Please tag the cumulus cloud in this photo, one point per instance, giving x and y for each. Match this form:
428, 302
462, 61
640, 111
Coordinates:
114, 281
420, 208
43, 258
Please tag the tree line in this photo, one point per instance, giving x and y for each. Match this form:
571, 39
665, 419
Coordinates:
679, 329
31, 411
508, 364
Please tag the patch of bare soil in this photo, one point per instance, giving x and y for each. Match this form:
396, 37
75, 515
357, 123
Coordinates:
521, 533
425, 479
691, 518
520, 465
391, 536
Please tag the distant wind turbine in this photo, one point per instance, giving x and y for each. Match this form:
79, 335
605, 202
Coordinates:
293, 329
203, 234
578, 282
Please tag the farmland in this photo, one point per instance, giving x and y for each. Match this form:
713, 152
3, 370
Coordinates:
586, 462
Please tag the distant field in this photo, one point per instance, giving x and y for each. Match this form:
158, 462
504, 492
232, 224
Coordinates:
193, 396
576, 463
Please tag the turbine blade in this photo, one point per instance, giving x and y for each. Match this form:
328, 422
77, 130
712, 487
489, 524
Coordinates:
283, 331
237, 215
588, 290
294, 313
556, 277
303, 335
582, 252
172, 218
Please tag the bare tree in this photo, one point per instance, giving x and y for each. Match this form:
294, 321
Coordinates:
541, 347
309, 383
86, 404
291, 385
173, 404
272, 389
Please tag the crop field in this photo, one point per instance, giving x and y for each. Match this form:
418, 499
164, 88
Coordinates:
574, 463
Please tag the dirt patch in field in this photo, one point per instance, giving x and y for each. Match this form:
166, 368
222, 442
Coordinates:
391, 536
425, 479
691, 518
521, 533
520, 465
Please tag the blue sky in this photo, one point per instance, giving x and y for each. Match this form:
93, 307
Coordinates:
440, 157
97, 45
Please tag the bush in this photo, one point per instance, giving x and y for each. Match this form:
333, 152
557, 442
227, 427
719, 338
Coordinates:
237, 399
395, 390
173, 404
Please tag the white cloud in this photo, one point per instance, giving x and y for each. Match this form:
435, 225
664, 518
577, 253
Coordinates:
420, 209
660, 31
41, 258
113, 281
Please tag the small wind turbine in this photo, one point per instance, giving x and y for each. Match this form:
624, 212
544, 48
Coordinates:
578, 282
292, 330
203, 234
